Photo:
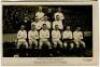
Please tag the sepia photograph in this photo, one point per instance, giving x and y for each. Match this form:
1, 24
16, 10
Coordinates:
47, 31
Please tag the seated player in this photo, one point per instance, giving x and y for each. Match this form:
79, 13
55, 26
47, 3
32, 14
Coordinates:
33, 36
78, 37
58, 22
67, 37
45, 21
44, 36
21, 37
38, 24
56, 36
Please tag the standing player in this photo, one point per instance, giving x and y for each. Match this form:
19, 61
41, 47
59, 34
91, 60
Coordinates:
27, 22
56, 36
58, 22
38, 24
78, 37
50, 13
45, 21
67, 37
59, 12
21, 37
39, 14
33, 36
44, 36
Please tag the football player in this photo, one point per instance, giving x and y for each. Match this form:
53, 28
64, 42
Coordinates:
61, 15
33, 37
45, 21
44, 37
78, 37
58, 22
39, 14
38, 24
21, 37
67, 37
56, 36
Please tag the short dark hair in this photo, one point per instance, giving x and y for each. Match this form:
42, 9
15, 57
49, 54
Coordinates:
44, 24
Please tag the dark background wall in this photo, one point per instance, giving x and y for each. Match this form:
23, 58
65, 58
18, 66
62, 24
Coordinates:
13, 16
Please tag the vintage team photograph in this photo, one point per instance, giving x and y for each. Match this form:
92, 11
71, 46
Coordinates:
47, 31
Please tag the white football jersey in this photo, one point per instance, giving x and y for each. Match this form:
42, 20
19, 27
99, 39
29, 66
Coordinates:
38, 25
59, 23
39, 15
77, 35
56, 34
21, 35
47, 23
67, 34
44, 34
60, 15
33, 35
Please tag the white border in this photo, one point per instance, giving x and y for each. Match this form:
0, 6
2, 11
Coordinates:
61, 60
47, 0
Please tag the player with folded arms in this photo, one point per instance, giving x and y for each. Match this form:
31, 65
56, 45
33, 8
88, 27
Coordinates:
33, 37
39, 14
58, 22
21, 37
56, 36
44, 37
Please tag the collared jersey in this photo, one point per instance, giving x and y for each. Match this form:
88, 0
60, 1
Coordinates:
39, 15
47, 23
56, 34
44, 34
22, 34
38, 25
60, 14
67, 35
77, 35
33, 34
59, 23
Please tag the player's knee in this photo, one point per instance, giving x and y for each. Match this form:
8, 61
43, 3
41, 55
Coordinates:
26, 45
72, 45
54, 42
65, 44
77, 44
